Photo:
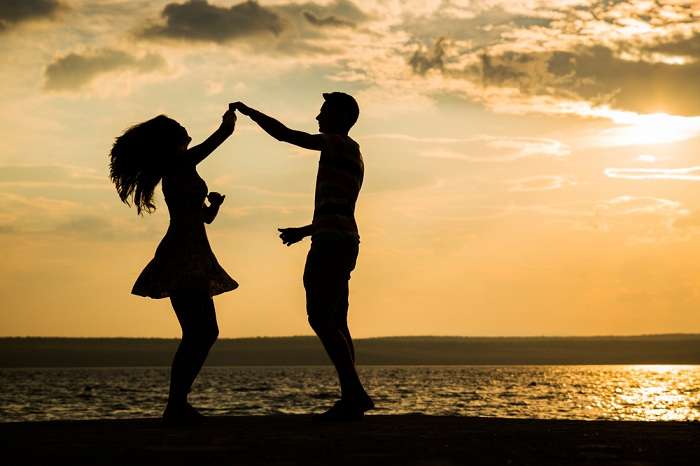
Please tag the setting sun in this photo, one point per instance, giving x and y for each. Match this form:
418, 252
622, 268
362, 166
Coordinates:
632, 129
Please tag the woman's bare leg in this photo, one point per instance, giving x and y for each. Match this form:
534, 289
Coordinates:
197, 318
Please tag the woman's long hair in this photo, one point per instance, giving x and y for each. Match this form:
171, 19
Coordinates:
139, 158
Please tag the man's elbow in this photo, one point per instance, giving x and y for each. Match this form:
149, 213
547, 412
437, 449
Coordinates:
280, 132
281, 136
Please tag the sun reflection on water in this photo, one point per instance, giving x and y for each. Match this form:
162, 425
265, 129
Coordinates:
655, 393
611, 392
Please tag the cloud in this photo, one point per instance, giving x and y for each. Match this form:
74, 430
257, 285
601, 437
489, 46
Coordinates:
477, 25
424, 60
596, 75
76, 70
638, 86
642, 219
685, 174
99, 227
620, 54
540, 183
197, 20
50, 214
648, 219
635, 205
336, 13
686, 46
482, 148
33, 214
46, 176
287, 27
328, 21
13, 12
326, 30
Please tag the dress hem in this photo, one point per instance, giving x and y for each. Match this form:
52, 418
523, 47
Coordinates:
168, 294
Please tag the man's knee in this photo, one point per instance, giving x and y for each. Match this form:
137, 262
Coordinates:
321, 323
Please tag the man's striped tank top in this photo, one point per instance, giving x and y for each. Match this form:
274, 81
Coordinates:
340, 174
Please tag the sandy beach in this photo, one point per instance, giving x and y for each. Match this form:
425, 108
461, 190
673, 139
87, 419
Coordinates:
377, 440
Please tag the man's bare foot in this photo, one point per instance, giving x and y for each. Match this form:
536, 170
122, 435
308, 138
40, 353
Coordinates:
185, 415
345, 410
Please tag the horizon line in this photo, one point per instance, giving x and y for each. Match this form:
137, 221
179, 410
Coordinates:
261, 337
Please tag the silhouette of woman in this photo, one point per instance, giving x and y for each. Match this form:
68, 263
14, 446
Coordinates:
184, 267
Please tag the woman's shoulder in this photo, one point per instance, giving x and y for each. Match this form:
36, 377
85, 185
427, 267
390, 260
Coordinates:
180, 166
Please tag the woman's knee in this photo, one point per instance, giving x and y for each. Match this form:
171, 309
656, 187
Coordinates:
202, 335
197, 317
214, 334
209, 334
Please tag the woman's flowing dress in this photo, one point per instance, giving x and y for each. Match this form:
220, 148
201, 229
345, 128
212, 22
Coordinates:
184, 261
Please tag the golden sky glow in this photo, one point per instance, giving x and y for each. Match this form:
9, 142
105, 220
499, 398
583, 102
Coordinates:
531, 166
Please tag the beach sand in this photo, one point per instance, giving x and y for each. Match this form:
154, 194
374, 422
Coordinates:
377, 440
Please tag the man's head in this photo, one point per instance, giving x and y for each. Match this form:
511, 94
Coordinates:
338, 113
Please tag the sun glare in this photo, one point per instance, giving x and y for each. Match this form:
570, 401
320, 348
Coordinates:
646, 129
632, 129
659, 368
647, 158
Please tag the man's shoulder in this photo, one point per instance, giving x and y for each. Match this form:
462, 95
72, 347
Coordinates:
341, 143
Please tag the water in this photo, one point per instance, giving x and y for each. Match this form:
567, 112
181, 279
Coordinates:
545, 392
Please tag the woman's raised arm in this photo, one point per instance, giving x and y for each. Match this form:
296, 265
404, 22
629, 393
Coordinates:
201, 151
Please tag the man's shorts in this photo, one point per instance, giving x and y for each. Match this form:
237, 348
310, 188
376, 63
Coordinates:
326, 274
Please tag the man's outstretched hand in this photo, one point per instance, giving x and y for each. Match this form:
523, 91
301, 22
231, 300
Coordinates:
290, 236
240, 106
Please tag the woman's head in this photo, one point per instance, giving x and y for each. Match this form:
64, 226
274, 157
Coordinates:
140, 157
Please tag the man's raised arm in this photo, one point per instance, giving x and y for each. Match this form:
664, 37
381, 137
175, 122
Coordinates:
280, 132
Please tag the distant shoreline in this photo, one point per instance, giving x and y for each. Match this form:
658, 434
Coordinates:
307, 351
384, 337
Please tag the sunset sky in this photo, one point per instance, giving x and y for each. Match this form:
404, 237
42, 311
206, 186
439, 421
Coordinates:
531, 166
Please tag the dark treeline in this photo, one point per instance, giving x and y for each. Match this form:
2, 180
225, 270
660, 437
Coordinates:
84, 352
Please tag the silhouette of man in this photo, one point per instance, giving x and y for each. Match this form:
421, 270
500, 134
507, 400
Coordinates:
334, 238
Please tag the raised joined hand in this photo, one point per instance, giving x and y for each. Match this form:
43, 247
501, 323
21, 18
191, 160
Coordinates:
240, 106
228, 119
